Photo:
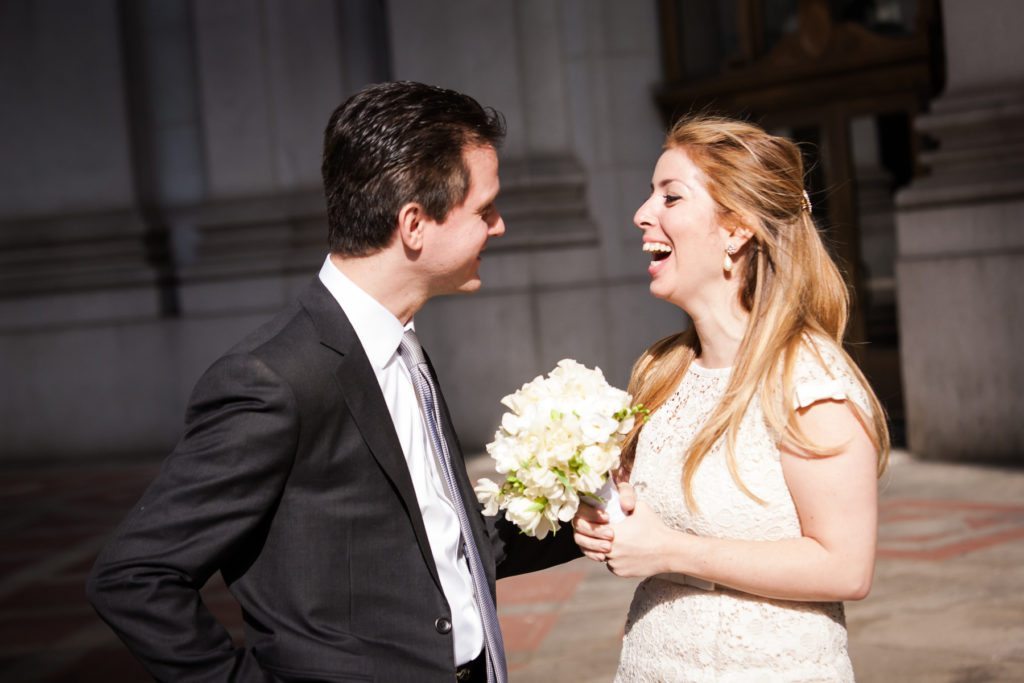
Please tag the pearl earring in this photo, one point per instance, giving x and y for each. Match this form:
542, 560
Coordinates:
730, 249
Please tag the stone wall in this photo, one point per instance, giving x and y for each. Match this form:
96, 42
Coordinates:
160, 195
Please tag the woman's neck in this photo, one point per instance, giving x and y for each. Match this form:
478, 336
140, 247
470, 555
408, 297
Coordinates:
721, 330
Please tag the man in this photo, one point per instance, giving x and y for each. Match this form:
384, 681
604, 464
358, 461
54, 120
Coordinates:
319, 471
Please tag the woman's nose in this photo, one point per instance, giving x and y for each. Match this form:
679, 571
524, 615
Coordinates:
642, 218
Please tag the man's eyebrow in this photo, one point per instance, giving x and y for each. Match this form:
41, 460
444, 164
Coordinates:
490, 200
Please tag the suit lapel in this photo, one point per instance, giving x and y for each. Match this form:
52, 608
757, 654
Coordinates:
361, 391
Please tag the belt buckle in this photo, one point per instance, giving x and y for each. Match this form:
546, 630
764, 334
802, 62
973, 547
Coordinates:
463, 673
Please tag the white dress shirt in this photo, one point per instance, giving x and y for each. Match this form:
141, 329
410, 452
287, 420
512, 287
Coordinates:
380, 332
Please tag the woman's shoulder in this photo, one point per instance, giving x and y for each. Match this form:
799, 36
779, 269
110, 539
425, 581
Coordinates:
823, 371
817, 354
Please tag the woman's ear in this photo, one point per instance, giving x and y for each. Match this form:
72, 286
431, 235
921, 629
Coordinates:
411, 225
739, 231
741, 234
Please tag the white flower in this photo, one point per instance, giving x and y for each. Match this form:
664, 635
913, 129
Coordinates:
540, 482
589, 480
596, 427
563, 506
556, 452
489, 495
527, 514
560, 437
601, 458
511, 423
505, 452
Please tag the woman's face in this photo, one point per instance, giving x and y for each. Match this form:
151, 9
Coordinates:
682, 232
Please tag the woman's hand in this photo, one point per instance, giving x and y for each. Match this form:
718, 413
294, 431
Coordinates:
592, 532
592, 529
642, 544
636, 546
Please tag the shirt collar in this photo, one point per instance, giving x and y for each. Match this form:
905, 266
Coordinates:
379, 331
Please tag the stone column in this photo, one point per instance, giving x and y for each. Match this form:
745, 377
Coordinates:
73, 243
961, 248
67, 196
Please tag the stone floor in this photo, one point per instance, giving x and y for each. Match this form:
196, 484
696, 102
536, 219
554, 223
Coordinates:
947, 604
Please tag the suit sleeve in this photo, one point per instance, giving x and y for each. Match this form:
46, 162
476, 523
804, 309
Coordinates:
214, 494
516, 553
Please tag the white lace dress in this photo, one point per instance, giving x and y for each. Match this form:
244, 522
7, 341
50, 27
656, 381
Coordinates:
682, 633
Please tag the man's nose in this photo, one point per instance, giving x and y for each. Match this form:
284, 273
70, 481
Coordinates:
498, 228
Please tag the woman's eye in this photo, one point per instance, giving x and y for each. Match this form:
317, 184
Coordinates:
671, 198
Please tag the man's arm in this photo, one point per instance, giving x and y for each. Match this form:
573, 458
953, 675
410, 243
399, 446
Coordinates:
516, 553
215, 489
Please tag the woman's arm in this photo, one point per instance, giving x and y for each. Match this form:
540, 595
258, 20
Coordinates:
835, 497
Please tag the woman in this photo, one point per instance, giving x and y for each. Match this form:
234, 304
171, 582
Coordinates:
755, 476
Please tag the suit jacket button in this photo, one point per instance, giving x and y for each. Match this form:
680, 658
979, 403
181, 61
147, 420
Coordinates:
443, 625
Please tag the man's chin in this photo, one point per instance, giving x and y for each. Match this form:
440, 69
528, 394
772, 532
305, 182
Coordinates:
470, 287
467, 287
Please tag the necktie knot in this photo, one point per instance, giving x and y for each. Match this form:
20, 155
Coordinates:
410, 351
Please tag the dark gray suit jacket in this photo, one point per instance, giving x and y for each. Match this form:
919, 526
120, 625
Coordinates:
290, 480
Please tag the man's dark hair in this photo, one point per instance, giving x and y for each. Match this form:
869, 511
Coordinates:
395, 143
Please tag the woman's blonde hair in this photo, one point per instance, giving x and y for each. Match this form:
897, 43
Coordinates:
788, 283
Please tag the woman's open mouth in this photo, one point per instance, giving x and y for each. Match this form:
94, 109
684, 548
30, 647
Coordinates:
659, 251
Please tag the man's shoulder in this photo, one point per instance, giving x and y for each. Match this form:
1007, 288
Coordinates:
288, 326
289, 342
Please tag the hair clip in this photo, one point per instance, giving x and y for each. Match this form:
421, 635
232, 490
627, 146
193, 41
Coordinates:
805, 202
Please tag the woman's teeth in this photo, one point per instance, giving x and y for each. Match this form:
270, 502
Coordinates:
657, 250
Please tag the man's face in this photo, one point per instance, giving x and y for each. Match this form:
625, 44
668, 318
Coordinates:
452, 248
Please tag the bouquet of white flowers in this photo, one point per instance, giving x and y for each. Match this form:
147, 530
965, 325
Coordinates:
559, 441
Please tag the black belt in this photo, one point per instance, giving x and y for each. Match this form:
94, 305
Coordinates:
473, 672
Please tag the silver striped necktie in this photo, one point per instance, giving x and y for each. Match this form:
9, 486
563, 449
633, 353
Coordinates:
411, 354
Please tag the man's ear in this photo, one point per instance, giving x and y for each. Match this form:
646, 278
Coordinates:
411, 219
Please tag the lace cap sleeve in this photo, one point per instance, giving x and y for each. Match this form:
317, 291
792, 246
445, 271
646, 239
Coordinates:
809, 393
822, 373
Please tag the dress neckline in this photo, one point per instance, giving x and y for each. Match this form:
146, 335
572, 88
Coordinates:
698, 369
